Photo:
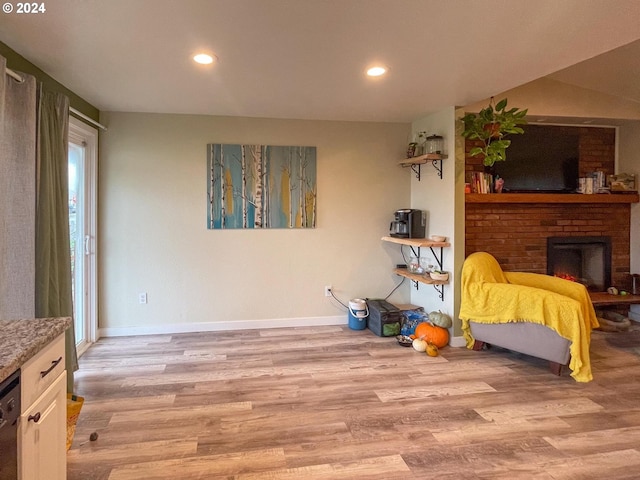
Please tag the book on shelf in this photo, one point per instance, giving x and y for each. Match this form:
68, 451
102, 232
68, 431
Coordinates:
481, 182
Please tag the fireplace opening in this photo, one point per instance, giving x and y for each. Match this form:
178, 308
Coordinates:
586, 260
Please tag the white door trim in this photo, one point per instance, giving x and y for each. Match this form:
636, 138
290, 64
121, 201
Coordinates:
80, 132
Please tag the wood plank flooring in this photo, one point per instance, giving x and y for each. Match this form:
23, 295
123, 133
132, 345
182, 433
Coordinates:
331, 403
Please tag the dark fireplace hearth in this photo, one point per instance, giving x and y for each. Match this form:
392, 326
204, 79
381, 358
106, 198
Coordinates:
581, 259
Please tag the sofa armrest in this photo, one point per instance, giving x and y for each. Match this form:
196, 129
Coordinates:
567, 288
547, 282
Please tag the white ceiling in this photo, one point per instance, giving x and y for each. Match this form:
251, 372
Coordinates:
305, 59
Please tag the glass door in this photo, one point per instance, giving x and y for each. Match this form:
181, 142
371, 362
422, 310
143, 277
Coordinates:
82, 228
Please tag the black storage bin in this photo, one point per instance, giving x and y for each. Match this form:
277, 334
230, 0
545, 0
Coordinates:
385, 319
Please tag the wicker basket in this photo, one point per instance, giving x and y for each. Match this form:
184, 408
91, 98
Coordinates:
74, 405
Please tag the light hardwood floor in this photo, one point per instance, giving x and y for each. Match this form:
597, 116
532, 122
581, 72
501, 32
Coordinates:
331, 403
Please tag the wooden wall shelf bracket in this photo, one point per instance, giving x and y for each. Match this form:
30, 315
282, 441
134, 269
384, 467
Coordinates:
437, 164
416, 169
440, 290
416, 162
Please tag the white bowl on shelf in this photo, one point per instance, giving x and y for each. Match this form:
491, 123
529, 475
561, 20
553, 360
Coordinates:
442, 277
438, 238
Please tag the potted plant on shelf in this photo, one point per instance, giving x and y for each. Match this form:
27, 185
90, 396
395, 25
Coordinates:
490, 126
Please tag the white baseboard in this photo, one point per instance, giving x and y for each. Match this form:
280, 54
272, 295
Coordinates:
173, 328
221, 326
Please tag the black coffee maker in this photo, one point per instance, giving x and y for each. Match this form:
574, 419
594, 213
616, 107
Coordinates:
408, 223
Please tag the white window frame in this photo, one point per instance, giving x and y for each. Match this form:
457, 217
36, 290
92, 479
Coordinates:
80, 132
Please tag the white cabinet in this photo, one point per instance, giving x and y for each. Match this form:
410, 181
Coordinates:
43, 421
42, 450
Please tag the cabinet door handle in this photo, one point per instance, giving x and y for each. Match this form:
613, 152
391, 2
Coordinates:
54, 364
34, 418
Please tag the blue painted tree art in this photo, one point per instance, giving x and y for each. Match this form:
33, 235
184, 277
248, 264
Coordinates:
261, 186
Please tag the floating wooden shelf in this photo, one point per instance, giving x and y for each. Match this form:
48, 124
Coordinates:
422, 159
416, 242
551, 198
403, 272
416, 162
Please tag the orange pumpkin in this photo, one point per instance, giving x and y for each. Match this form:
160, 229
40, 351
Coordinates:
432, 334
421, 329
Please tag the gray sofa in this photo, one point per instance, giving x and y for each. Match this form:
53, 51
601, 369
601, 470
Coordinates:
522, 337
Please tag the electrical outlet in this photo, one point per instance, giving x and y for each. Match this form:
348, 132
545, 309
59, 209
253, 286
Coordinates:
327, 290
142, 298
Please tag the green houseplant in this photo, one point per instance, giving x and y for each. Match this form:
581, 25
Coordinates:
490, 126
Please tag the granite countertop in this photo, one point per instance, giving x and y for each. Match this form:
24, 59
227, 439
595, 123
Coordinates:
22, 339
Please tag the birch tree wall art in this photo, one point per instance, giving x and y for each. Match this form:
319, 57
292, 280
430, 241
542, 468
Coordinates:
261, 186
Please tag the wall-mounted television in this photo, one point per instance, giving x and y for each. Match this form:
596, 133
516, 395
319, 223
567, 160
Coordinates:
543, 159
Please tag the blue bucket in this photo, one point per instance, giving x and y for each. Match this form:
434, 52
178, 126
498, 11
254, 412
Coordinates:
358, 314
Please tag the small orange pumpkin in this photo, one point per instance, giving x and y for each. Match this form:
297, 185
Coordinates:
431, 350
432, 334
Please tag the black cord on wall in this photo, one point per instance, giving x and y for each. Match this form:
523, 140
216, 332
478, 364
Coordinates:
347, 307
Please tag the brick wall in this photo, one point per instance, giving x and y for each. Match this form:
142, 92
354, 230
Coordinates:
597, 150
516, 234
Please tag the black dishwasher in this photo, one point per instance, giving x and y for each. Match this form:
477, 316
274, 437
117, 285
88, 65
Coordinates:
9, 414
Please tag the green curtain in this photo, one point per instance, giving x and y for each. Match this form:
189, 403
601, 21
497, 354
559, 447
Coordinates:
53, 257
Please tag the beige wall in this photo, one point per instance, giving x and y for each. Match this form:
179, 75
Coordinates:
438, 197
153, 235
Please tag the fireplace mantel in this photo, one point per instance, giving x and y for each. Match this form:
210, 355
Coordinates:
551, 198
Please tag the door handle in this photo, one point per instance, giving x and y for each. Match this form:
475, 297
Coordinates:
87, 245
54, 364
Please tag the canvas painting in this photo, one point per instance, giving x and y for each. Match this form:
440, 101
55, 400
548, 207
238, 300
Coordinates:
261, 186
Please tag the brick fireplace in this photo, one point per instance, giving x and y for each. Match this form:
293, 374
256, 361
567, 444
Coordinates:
581, 259
516, 232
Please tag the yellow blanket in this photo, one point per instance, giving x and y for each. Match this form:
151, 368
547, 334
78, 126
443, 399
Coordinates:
490, 295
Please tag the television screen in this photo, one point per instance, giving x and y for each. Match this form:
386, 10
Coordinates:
543, 159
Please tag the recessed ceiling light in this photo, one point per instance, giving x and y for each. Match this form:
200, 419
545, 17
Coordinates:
376, 71
204, 58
